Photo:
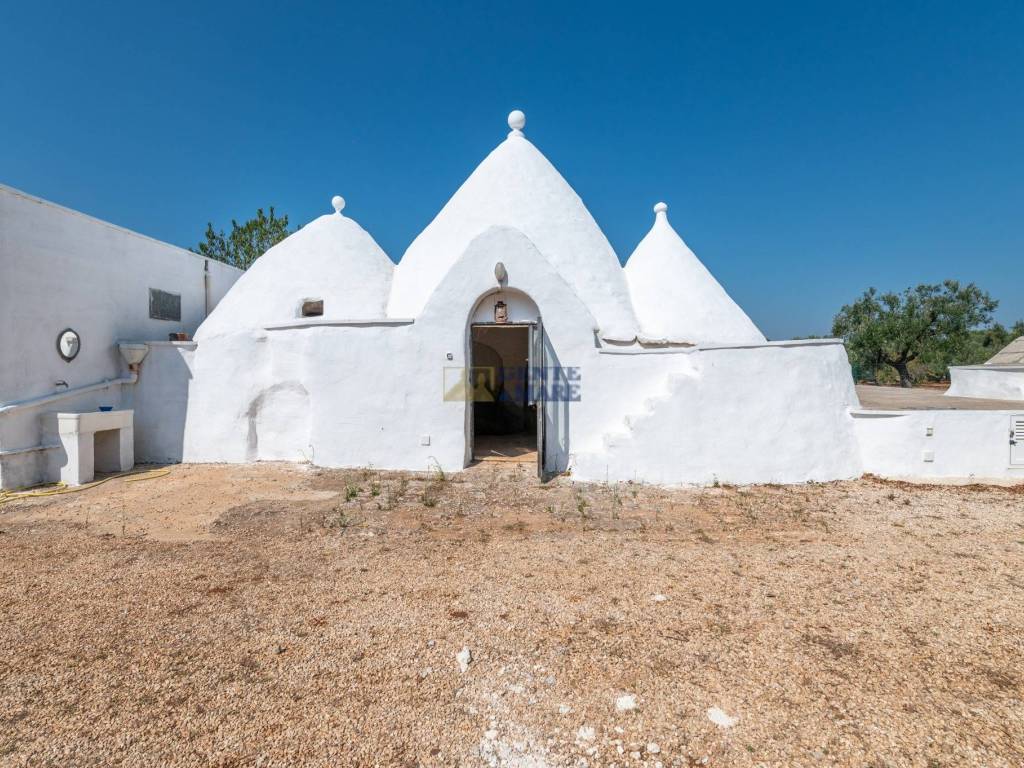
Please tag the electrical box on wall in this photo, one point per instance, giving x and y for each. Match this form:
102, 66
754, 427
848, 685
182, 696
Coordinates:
1017, 441
927, 455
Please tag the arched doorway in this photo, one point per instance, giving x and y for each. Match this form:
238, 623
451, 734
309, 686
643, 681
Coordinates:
505, 380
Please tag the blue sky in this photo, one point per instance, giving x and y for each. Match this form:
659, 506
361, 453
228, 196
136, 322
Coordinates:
806, 150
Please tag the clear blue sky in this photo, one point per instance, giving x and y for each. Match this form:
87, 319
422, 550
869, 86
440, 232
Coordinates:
806, 150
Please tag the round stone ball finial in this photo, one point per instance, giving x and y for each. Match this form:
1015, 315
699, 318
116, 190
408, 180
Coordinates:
338, 202
516, 120
660, 208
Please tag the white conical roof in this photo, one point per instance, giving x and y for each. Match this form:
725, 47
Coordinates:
516, 186
676, 298
332, 258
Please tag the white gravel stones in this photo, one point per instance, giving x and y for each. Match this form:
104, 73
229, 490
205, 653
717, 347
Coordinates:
464, 657
719, 718
653, 748
625, 703
659, 598
585, 734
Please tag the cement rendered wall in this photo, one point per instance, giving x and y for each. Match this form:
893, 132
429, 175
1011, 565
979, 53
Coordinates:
937, 444
160, 401
348, 395
59, 269
996, 382
375, 393
770, 413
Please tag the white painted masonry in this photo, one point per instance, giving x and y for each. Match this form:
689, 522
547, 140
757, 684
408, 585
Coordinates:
517, 187
1000, 378
675, 296
94, 441
668, 380
354, 390
331, 259
160, 400
60, 268
996, 382
938, 444
772, 413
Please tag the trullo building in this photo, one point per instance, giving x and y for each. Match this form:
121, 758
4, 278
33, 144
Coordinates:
509, 326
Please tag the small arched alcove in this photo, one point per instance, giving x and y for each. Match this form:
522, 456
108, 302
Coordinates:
278, 424
503, 379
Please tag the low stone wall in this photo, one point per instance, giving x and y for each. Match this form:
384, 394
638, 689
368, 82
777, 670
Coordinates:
995, 382
771, 413
938, 444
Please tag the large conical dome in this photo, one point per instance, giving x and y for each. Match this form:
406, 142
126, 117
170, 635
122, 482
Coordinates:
332, 259
516, 186
676, 298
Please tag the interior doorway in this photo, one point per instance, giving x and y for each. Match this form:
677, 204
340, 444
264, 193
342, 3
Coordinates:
504, 409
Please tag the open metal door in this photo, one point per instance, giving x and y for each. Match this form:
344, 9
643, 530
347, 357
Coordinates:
538, 381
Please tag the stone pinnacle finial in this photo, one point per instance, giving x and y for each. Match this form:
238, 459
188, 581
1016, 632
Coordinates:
339, 203
517, 121
660, 211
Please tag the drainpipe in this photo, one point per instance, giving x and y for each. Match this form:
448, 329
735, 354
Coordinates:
17, 405
206, 288
133, 354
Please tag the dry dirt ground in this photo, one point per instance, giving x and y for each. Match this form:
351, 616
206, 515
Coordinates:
282, 615
927, 398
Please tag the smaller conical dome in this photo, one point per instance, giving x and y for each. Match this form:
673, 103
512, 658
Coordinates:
331, 259
676, 298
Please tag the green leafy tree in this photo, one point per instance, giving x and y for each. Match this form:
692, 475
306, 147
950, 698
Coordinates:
985, 342
931, 326
247, 242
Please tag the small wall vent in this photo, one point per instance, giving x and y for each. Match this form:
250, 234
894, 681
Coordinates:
164, 305
1017, 441
313, 308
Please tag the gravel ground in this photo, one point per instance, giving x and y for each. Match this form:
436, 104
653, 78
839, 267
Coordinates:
282, 615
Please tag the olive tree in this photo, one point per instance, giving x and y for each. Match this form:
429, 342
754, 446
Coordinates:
247, 242
929, 322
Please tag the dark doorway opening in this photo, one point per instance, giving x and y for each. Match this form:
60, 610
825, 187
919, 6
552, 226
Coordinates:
504, 418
